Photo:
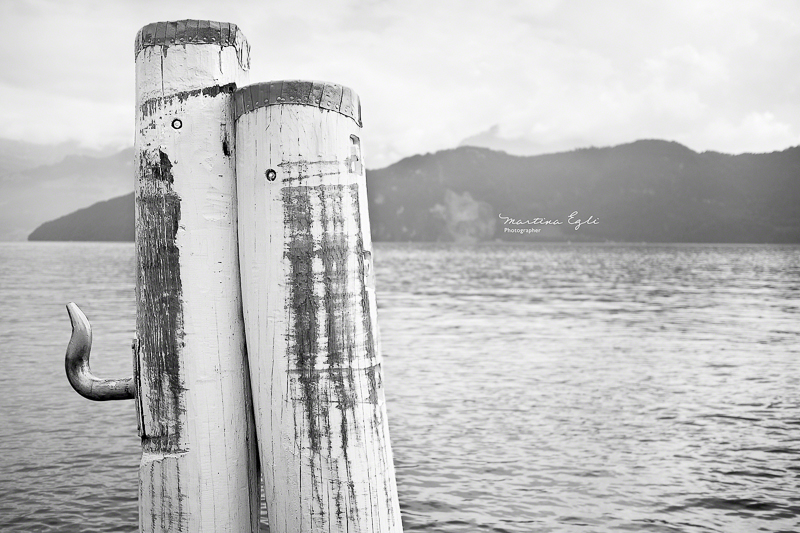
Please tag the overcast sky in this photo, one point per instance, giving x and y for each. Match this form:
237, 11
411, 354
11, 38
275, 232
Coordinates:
539, 75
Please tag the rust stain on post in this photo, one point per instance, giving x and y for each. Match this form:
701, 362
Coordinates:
298, 171
340, 323
324, 368
151, 106
160, 321
300, 253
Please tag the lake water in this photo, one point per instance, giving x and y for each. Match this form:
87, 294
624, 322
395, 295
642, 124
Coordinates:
530, 388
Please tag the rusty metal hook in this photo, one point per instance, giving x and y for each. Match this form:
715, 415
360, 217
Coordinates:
77, 364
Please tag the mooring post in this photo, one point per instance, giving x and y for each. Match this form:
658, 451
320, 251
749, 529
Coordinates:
310, 313
198, 471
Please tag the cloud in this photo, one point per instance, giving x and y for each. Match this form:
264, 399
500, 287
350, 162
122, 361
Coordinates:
755, 132
430, 74
43, 117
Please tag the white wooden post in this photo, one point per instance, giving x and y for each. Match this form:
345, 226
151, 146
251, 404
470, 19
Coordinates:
198, 471
310, 313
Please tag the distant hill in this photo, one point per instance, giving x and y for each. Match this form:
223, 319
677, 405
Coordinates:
112, 220
649, 190
32, 196
16, 156
646, 191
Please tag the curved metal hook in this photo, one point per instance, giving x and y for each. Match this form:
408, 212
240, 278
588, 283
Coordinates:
77, 364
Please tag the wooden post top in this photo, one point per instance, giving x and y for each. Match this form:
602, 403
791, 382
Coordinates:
191, 31
320, 94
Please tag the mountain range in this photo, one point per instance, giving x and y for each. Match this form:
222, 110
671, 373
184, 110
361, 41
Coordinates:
39, 183
645, 191
649, 190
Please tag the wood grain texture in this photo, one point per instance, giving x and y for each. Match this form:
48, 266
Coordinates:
199, 466
310, 319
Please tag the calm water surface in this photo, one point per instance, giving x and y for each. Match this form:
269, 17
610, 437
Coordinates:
536, 388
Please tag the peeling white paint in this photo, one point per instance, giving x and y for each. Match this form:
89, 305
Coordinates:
206, 481
310, 317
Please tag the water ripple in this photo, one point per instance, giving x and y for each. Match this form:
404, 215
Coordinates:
544, 388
